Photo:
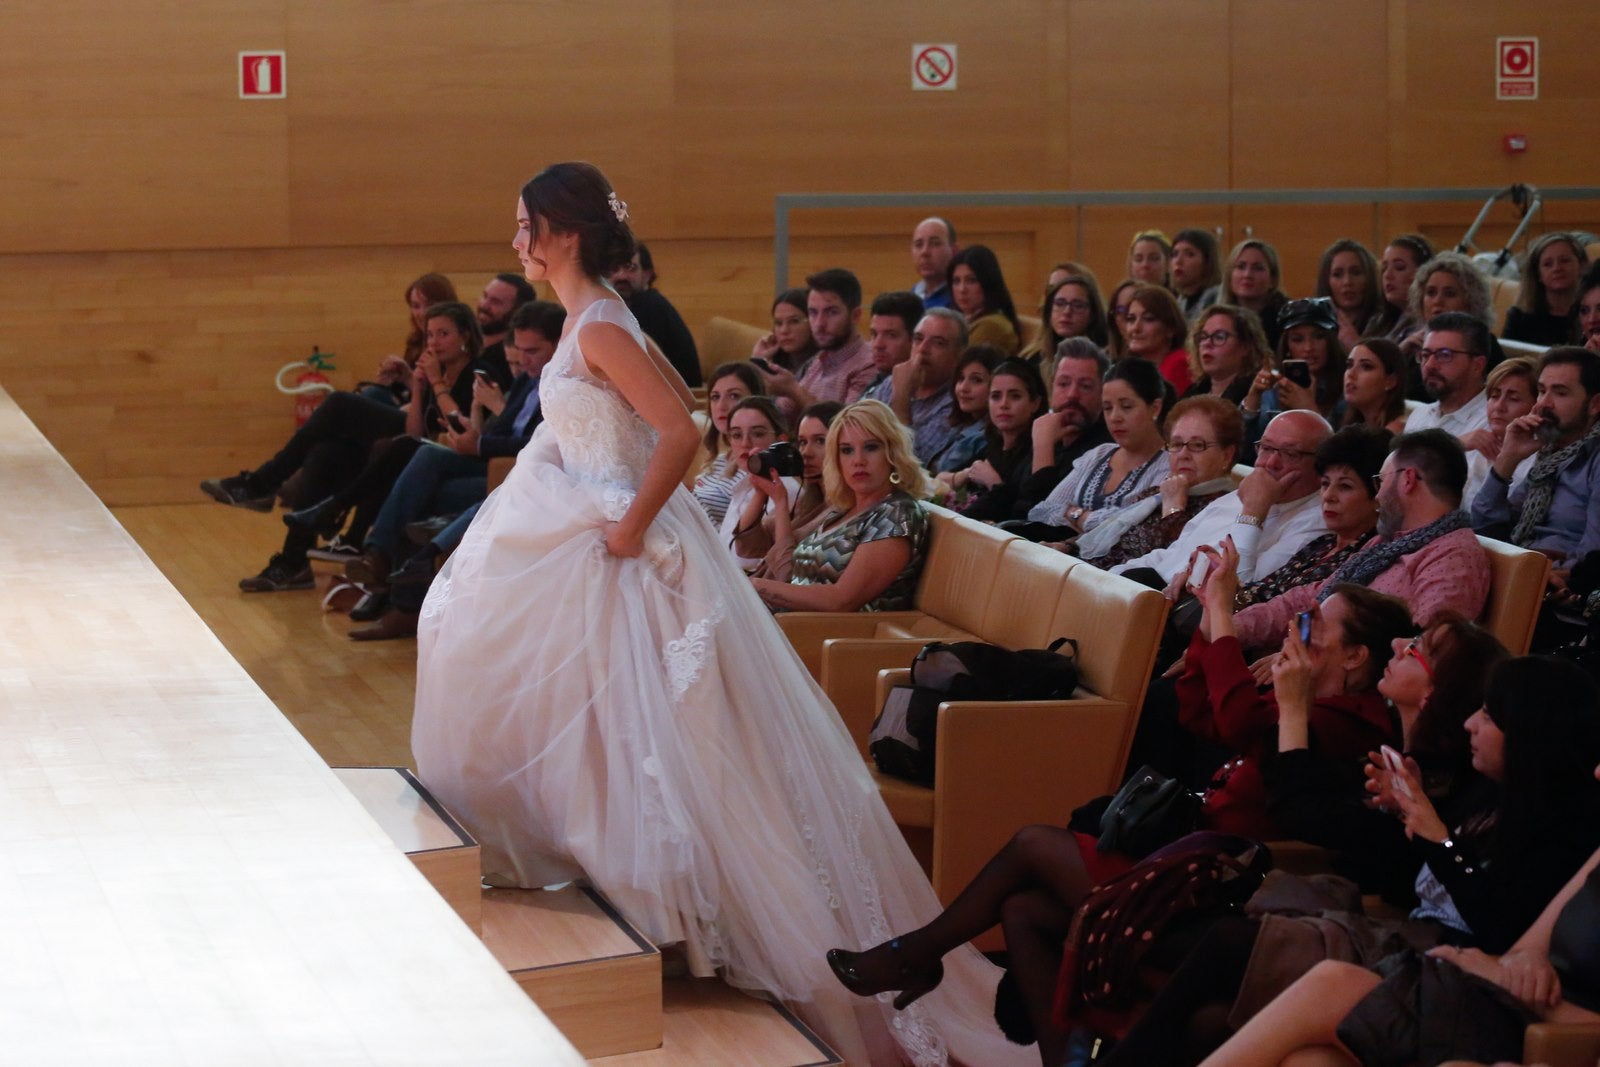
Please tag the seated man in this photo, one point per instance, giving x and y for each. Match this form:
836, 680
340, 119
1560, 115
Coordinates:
891, 319
635, 283
1453, 362
502, 296
1271, 516
933, 242
842, 368
1074, 423
1425, 554
919, 389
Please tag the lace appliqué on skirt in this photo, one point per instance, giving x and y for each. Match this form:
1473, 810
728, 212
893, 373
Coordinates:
685, 657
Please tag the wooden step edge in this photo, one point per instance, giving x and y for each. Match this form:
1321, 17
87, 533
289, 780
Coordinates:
699, 1031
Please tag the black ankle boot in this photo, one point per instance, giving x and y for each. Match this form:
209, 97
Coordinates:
324, 517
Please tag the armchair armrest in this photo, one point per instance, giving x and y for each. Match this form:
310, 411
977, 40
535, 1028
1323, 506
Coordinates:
807, 630
1562, 1044
1005, 765
850, 669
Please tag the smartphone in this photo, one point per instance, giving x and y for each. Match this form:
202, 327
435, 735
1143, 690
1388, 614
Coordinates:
1298, 371
1397, 770
763, 364
457, 423
1303, 621
482, 375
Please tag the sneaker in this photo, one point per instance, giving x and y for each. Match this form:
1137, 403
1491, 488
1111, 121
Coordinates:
236, 491
337, 550
279, 577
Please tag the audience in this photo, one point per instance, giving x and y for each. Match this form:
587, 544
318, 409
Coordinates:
919, 388
754, 425
635, 282
1251, 279
1150, 258
1310, 369
393, 382
867, 553
1348, 276
728, 384
775, 520
1543, 313
993, 481
1117, 315
1453, 360
1073, 425
933, 242
891, 320
1586, 329
1109, 476
1269, 517
1375, 385
789, 345
978, 290
1510, 390
969, 409
843, 367
1072, 308
1402, 257
1154, 329
1196, 271
1225, 353
1452, 282
503, 294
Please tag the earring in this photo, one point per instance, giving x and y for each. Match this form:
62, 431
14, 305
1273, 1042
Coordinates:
894, 477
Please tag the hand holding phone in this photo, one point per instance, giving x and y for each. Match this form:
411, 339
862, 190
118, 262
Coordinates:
457, 423
1397, 771
1298, 371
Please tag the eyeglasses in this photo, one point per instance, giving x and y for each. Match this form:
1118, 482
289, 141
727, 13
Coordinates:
1414, 649
1120, 310
1061, 304
1196, 445
1216, 337
1442, 355
1377, 479
1288, 455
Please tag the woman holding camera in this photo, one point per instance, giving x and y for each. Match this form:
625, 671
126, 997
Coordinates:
776, 516
754, 428
867, 553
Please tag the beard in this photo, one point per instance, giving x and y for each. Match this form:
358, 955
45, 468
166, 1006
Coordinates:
493, 326
1390, 516
1436, 388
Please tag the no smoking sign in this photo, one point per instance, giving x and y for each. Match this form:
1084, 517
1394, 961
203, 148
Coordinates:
933, 67
1516, 75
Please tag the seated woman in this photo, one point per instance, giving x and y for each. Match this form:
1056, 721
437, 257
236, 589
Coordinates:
1251, 279
1586, 330
1511, 388
1117, 318
728, 384
1035, 883
789, 345
1542, 314
393, 382
1449, 281
441, 386
1225, 352
774, 519
1375, 385
1401, 257
1196, 271
1313, 381
1202, 440
1110, 476
754, 426
1072, 308
992, 482
1348, 277
1150, 258
1155, 330
978, 289
1537, 739
969, 412
867, 554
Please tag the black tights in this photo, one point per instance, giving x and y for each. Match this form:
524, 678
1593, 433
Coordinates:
1187, 1021
1032, 886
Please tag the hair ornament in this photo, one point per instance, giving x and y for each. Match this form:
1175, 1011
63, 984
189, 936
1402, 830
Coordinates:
619, 208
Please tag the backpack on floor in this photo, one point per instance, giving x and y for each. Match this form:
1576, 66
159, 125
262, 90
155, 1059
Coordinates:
903, 735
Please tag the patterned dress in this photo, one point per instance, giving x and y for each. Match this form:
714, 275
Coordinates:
823, 556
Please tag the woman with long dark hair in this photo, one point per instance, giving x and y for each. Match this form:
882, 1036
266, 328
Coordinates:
978, 289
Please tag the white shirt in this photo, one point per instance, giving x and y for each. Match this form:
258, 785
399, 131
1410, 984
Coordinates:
1473, 415
1262, 549
736, 504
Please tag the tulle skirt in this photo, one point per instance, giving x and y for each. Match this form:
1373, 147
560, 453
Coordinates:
643, 723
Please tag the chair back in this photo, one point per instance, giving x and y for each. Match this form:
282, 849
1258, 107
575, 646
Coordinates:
1517, 579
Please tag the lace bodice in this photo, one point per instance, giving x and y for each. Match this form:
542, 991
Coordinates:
601, 438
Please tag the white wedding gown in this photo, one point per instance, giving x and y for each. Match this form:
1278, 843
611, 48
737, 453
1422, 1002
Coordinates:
645, 724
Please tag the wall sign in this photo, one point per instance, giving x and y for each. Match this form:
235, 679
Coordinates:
262, 76
933, 67
1516, 68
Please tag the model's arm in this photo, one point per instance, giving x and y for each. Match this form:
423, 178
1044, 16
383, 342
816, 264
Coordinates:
658, 394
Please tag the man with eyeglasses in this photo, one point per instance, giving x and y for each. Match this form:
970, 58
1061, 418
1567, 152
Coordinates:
1074, 423
1426, 553
1453, 360
1555, 507
1272, 515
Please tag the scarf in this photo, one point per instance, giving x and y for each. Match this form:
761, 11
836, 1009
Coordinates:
1376, 558
1541, 483
1105, 536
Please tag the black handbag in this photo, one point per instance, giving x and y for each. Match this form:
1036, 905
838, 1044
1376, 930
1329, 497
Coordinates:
1149, 811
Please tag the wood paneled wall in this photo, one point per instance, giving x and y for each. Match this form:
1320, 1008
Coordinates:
165, 246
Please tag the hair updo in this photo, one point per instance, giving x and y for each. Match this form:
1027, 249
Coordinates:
576, 198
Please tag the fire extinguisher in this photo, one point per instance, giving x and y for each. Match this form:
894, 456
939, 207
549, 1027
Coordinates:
309, 386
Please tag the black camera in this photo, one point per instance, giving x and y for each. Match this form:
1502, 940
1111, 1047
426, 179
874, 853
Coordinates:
778, 460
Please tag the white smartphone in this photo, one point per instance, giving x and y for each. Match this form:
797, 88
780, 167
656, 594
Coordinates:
1397, 771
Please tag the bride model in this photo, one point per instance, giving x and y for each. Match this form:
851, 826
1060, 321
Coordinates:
601, 694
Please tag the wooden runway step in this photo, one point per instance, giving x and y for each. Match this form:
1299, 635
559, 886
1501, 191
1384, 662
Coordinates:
437, 845
708, 1024
591, 972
